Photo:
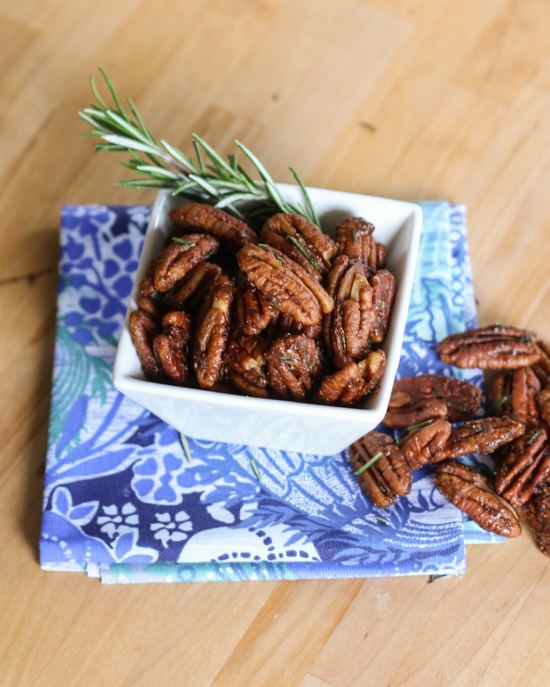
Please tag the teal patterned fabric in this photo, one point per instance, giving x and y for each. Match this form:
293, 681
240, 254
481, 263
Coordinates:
122, 502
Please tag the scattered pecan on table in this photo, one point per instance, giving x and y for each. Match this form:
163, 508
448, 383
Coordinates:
293, 366
420, 445
526, 468
426, 397
490, 348
514, 393
480, 436
470, 492
213, 221
388, 477
538, 517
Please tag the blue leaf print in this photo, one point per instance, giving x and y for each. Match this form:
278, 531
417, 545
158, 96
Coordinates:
73, 423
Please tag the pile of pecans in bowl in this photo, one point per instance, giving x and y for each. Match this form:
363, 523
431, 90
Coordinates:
515, 431
287, 313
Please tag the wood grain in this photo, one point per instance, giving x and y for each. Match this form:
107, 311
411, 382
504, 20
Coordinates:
411, 99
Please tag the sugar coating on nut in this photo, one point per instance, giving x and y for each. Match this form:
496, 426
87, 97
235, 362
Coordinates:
293, 366
214, 221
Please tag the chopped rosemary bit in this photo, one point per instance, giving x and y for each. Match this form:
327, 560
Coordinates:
535, 435
397, 443
255, 470
185, 243
185, 446
303, 250
354, 236
496, 406
382, 521
419, 425
270, 250
367, 465
285, 357
344, 342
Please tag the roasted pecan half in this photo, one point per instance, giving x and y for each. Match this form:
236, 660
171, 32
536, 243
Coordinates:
147, 284
538, 516
282, 324
286, 285
347, 328
352, 382
293, 366
212, 332
469, 491
246, 364
514, 393
149, 305
301, 240
143, 330
490, 348
480, 436
253, 311
180, 256
526, 468
383, 284
191, 290
354, 239
213, 221
542, 368
543, 401
420, 445
387, 478
170, 347
416, 399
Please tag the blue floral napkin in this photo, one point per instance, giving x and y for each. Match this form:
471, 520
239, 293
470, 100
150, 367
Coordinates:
123, 502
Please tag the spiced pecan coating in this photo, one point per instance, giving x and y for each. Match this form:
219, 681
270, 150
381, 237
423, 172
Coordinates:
426, 397
301, 240
383, 284
348, 327
480, 436
191, 290
538, 516
170, 347
149, 305
344, 387
246, 364
212, 332
293, 366
213, 221
253, 311
147, 284
490, 348
470, 492
354, 238
143, 330
372, 368
526, 468
420, 445
386, 479
177, 259
543, 401
286, 285
542, 368
514, 393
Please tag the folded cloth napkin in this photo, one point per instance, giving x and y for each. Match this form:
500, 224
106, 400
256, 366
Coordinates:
123, 500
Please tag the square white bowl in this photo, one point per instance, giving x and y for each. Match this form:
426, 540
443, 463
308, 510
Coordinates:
287, 425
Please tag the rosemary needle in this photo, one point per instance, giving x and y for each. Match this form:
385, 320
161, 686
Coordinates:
496, 406
366, 466
535, 435
185, 243
255, 470
185, 445
419, 425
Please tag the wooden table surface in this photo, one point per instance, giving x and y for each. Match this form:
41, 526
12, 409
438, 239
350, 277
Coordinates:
409, 99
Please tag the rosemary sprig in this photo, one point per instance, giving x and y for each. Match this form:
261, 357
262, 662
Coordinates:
304, 251
367, 465
209, 179
496, 406
382, 521
185, 243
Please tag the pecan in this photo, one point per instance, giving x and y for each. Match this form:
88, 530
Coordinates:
420, 445
170, 347
285, 284
480, 436
212, 332
245, 359
213, 221
383, 284
147, 284
538, 516
149, 305
542, 368
490, 348
386, 479
252, 310
526, 468
177, 259
301, 240
192, 289
416, 399
143, 330
543, 401
293, 366
282, 324
354, 238
469, 491
352, 382
515, 394
348, 327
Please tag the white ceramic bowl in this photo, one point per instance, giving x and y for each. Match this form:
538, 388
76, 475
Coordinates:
287, 425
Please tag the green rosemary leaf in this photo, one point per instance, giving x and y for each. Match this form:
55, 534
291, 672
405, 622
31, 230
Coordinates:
179, 157
269, 249
145, 130
185, 447
532, 439
96, 92
496, 406
303, 250
312, 214
367, 465
354, 236
213, 155
176, 239
397, 443
158, 171
113, 92
234, 198
198, 153
129, 143
419, 425
382, 521
233, 162
211, 190
128, 127
255, 469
